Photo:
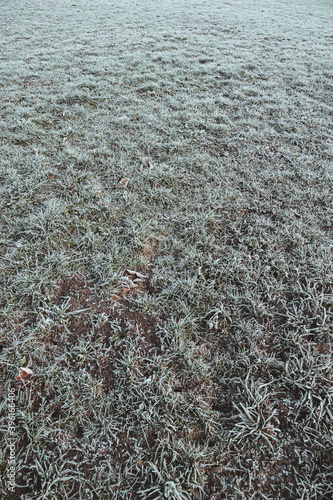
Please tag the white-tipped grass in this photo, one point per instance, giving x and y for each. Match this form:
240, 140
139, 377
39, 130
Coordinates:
190, 142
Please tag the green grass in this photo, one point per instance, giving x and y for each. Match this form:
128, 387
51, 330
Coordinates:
212, 377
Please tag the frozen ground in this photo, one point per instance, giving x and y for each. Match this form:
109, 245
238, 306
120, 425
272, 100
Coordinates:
190, 142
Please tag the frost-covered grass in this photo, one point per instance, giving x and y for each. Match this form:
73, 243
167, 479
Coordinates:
214, 381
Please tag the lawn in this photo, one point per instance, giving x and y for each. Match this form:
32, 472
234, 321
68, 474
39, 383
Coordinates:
166, 268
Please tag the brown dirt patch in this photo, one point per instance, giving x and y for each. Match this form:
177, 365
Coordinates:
89, 316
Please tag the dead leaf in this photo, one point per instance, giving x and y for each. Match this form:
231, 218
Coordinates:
139, 275
124, 182
65, 139
25, 373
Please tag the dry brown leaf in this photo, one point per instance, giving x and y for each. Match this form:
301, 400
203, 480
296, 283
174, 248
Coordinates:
124, 182
139, 275
25, 373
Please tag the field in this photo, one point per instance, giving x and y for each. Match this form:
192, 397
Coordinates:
166, 266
